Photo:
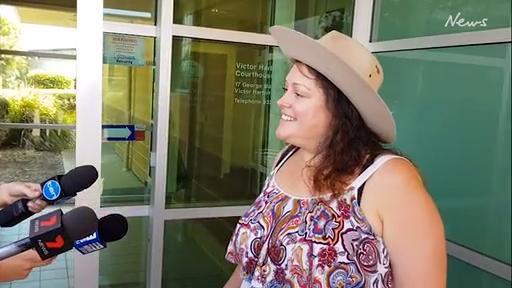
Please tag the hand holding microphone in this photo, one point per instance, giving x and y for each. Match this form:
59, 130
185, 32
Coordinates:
19, 266
54, 190
54, 233
11, 192
50, 235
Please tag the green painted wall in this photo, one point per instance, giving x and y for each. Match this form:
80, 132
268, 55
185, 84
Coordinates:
400, 19
452, 108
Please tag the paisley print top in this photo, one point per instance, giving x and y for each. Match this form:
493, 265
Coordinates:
287, 241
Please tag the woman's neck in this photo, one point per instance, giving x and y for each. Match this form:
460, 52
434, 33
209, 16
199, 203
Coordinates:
307, 156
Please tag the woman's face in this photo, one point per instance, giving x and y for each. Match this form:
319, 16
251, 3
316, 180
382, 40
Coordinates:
305, 120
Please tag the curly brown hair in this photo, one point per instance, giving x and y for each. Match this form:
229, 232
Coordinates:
349, 148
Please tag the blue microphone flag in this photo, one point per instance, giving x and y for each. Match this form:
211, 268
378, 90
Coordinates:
90, 244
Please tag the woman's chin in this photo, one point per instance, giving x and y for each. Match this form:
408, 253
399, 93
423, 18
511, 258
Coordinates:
282, 135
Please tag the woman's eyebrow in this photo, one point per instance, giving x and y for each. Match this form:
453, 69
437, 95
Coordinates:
297, 84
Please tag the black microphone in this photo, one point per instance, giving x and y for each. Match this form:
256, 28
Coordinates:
56, 190
54, 233
110, 228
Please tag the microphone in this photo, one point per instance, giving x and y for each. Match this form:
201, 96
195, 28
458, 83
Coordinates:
56, 190
110, 228
54, 233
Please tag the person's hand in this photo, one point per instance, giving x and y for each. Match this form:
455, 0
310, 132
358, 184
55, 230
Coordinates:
11, 192
18, 267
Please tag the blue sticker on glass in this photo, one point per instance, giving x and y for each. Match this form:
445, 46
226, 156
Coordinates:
51, 190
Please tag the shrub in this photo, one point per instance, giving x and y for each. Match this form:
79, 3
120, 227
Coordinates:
13, 69
49, 81
4, 108
65, 101
55, 141
21, 110
59, 108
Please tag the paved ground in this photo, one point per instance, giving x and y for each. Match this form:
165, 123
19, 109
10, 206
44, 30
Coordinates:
29, 165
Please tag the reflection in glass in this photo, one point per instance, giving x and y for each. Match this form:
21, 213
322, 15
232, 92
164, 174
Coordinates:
314, 18
42, 13
222, 115
124, 262
127, 100
452, 107
194, 252
63, 13
462, 274
137, 12
400, 19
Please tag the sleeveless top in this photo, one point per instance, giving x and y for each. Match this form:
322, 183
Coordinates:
311, 242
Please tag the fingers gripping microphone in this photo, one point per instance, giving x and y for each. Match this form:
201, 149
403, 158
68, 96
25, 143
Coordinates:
54, 233
55, 190
110, 228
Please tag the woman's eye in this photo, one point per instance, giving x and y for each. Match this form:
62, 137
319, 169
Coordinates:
295, 93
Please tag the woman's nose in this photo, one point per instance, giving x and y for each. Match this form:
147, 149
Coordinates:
283, 102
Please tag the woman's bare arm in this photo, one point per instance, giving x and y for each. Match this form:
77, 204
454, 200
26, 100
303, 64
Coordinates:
235, 281
411, 226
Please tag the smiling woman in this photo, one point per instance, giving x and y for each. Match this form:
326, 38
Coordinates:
327, 212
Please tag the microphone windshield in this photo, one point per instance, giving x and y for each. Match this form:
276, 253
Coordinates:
78, 179
80, 222
112, 227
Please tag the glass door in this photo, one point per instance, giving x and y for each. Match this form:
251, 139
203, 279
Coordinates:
38, 110
226, 76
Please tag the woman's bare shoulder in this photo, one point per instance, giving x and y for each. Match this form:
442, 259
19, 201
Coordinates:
397, 181
397, 172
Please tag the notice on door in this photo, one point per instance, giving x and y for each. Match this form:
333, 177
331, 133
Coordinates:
123, 50
250, 82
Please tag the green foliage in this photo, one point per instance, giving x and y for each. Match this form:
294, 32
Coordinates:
49, 81
4, 108
65, 104
57, 108
53, 140
65, 101
9, 34
13, 69
21, 110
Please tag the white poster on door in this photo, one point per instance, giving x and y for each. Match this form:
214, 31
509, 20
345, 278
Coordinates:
123, 50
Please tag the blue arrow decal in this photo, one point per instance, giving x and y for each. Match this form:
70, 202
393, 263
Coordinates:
119, 132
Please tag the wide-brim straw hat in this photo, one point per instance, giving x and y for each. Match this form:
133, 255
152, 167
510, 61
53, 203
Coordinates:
349, 66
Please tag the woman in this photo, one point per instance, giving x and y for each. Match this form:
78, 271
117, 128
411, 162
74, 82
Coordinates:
339, 209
